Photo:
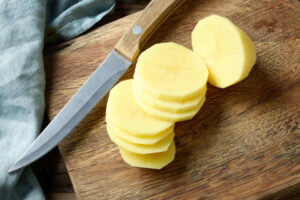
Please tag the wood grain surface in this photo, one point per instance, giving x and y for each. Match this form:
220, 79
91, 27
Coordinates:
243, 144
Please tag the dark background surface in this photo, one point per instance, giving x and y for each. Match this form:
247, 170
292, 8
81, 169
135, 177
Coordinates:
51, 170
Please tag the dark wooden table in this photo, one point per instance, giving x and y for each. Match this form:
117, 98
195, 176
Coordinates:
50, 170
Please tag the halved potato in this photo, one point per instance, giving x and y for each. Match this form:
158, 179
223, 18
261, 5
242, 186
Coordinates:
168, 116
160, 146
152, 161
169, 71
169, 106
137, 139
126, 114
227, 51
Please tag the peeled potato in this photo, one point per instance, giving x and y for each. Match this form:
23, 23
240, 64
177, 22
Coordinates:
126, 114
169, 106
160, 146
137, 139
168, 116
153, 161
169, 71
228, 52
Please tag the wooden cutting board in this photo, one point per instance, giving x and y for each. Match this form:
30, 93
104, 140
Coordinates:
243, 144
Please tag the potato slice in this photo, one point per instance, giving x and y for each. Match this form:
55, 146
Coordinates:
160, 146
137, 139
170, 71
126, 114
152, 161
169, 106
168, 116
228, 52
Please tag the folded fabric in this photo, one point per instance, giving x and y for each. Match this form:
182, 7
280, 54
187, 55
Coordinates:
22, 36
69, 18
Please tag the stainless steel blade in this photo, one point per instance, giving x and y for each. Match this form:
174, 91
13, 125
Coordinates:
105, 76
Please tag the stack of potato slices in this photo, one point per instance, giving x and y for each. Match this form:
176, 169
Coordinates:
143, 140
170, 82
169, 86
140, 114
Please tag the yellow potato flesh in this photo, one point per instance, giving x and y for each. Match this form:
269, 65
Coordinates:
137, 139
152, 161
168, 116
125, 113
227, 51
160, 146
169, 106
170, 71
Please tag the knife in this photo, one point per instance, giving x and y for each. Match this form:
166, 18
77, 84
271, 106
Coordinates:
106, 75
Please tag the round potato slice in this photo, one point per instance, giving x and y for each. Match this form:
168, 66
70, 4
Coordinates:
160, 146
169, 106
126, 114
137, 139
138, 135
168, 116
227, 51
152, 161
169, 71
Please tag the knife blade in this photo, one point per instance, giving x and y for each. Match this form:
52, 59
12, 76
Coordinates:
105, 76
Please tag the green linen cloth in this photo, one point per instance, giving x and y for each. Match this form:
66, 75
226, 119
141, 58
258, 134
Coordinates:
25, 25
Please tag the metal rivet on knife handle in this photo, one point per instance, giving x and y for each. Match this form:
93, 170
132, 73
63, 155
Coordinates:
150, 19
137, 30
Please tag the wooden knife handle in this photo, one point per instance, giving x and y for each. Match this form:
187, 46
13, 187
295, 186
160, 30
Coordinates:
149, 20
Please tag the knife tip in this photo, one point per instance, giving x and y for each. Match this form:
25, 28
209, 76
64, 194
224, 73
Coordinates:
13, 168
